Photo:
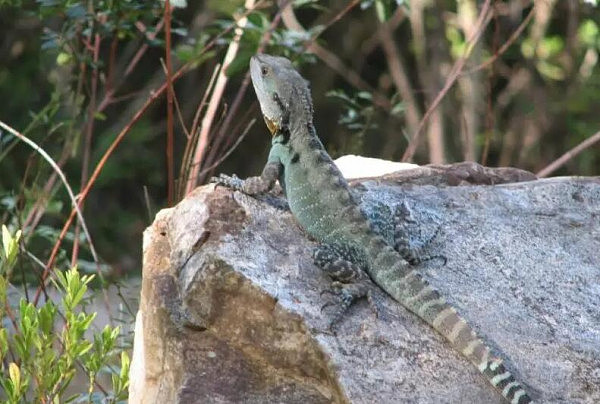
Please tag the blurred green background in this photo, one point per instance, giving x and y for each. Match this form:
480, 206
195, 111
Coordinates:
74, 73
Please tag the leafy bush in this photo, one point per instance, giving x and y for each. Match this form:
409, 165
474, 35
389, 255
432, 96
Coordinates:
43, 349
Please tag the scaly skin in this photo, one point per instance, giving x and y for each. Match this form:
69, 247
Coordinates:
320, 200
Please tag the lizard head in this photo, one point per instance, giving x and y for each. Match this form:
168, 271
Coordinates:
283, 94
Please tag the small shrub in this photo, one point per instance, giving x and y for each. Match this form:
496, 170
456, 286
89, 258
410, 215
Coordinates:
40, 355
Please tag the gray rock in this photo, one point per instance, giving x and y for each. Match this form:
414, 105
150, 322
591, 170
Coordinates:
231, 303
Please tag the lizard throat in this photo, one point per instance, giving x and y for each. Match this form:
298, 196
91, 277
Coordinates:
271, 125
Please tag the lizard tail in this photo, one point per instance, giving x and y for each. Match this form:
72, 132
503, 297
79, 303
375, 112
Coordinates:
407, 286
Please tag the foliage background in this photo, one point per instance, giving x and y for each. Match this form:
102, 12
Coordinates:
375, 67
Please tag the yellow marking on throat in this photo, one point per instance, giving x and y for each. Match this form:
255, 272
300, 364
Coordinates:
271, 125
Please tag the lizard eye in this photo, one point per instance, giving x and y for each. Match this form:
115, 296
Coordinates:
264, 70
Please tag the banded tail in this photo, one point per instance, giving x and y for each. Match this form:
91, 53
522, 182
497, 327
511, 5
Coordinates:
407, 286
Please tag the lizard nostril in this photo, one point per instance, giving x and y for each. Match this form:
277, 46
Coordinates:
264, 70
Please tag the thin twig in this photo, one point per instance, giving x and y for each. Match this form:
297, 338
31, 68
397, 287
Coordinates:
482, 21
37, 210
559, 162
515, 35
335, 19
329, 58
169, 151
138, 55
245, 117
216, 97
489, 113
59, 172
89, 130
154, 95
400, 79
111, 88
112, 57
285, 12
148, 205
96, 173
176, 104
231, 149
209, 89
237, 102
391, 24
186, 161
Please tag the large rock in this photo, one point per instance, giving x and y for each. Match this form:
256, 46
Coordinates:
231, 302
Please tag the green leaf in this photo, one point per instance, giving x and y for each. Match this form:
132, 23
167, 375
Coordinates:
551, 71
15, 376
178, 3
75, 11
311, 4
63, 58
179, 31
588, 33
365, 95
120, 382
6, 239
550, 46
3, 343
10, 245
46, 316
383, 9
185, 52
82, 348
240, 63
398, 109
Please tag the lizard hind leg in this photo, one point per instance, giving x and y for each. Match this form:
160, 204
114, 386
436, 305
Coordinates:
409, 239
402, 231
349, 281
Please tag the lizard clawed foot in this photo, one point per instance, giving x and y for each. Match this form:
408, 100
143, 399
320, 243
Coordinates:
233, 181
250, 186
334, 288
335, 291
416, 259
436, 257
347, 294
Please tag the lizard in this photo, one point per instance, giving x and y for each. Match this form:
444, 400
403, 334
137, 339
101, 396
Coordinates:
321, 201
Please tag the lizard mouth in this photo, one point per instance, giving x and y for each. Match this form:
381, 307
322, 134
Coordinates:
271, 125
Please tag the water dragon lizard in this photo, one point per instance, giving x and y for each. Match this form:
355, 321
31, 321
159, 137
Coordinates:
321, 201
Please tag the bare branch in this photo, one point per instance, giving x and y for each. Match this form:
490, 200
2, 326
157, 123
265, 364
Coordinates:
515, 35
59, 172
329, 58
400, 79
559, 162
169, 150
215, 99
484, 18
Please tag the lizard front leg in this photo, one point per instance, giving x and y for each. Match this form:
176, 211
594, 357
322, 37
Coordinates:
252, 185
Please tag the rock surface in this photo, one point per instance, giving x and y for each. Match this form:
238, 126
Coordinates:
231, 303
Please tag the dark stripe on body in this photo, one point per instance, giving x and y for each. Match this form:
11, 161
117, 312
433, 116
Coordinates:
285, 135
314, 143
